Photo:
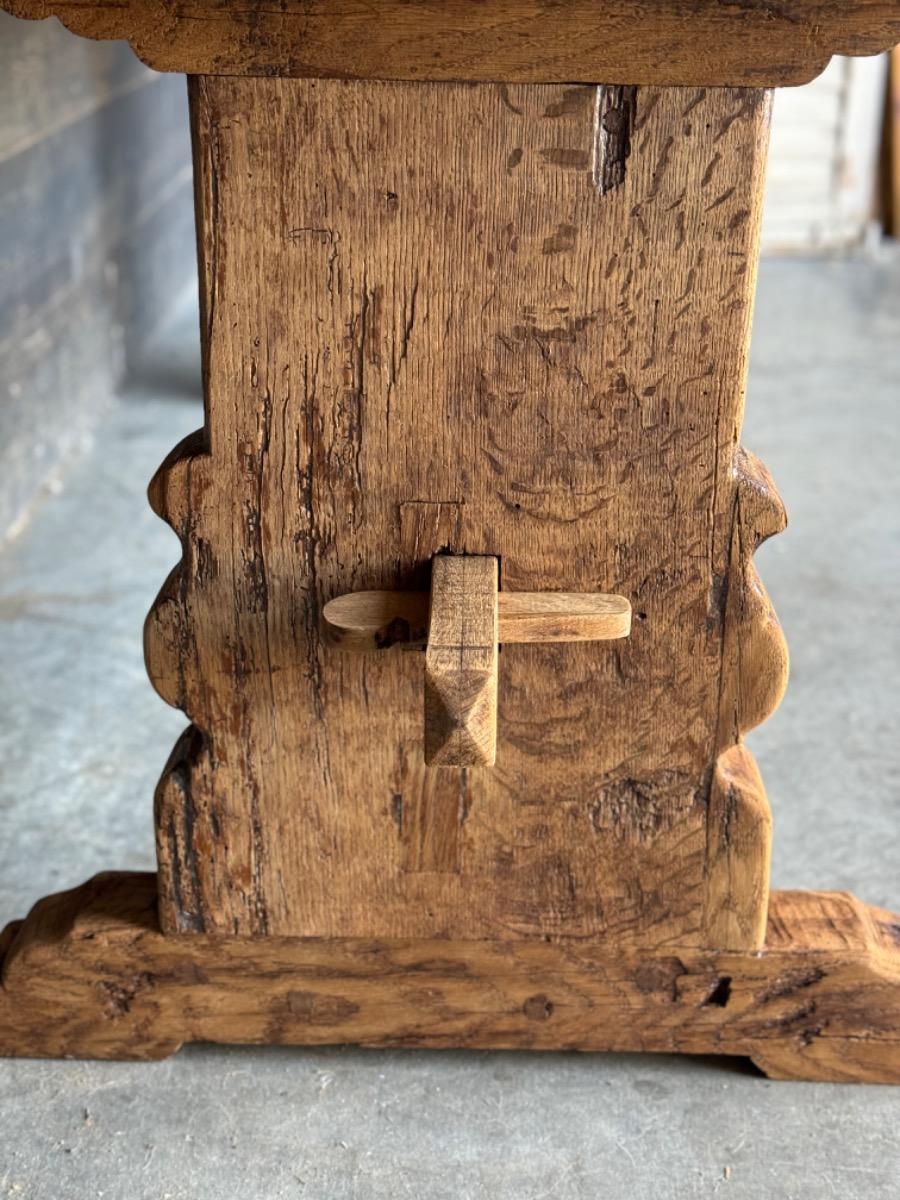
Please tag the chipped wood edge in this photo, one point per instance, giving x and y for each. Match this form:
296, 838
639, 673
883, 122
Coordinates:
738, 854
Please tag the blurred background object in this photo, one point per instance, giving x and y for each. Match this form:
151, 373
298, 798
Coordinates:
891, 150
96, 239
822, 185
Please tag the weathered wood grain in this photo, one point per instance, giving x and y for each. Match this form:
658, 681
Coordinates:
441, 334
89, 975
365, 622
738, 852
754, 672
686, 42
461, 662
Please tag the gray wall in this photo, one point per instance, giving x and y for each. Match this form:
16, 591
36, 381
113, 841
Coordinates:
96, 237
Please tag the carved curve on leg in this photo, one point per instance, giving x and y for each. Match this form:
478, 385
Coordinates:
186, 818
754, 677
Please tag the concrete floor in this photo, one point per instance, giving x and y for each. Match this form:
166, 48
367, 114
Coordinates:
83, 740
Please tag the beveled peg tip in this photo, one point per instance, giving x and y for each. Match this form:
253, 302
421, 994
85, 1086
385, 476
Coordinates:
461, 663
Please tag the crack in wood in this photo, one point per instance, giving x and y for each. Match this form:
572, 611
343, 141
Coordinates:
614, 118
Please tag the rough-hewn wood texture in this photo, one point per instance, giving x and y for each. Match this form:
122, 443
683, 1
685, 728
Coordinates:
89, 975
461, 662
695, 42
428, 328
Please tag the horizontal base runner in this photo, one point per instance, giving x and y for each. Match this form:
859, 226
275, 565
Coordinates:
88, 974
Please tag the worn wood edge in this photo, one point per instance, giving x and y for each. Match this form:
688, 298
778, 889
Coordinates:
738, 854
169, 491
88, 974
363, 622
183, 471
755, 660
755, 664
674, 42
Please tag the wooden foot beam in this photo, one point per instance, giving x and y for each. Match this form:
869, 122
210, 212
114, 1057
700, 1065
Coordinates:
88, 974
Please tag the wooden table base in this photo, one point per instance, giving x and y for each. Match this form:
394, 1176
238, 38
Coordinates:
89, 975
476, 280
